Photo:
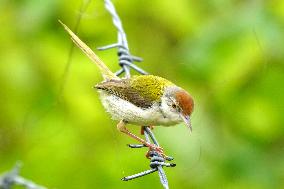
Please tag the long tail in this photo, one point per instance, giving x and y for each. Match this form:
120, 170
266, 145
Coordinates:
105, 71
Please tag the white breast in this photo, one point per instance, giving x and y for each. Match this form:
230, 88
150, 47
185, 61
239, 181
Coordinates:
123, 110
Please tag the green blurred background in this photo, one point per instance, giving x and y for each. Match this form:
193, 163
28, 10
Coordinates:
227, 54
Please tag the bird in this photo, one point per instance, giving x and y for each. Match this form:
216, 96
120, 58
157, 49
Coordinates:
139, 100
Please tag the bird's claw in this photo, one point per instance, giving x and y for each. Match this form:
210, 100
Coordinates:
156, 149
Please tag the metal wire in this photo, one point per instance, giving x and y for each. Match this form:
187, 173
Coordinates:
11, 178
126, 61
125, 58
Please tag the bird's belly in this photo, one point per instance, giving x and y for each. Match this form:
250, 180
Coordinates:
123, 110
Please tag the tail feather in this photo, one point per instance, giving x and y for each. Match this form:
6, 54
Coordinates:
105, 71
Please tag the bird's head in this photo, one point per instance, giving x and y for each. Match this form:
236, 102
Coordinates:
177, 104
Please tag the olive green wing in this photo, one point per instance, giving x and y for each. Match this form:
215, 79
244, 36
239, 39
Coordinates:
123, 90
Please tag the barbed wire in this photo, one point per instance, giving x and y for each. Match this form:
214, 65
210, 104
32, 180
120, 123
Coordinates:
12, 178
126, 61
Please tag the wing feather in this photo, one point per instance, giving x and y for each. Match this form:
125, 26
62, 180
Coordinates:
122, 89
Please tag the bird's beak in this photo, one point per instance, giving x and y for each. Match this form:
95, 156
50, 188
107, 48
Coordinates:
187, 121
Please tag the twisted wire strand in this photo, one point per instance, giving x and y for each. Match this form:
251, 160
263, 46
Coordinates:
125, 58
117, 23
122, 40
126, 62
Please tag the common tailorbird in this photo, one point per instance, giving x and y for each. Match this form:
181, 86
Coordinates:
140, 100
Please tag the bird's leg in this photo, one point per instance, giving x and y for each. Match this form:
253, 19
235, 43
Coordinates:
142, 129
121, 127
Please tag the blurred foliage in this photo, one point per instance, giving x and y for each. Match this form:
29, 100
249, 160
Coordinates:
227, 54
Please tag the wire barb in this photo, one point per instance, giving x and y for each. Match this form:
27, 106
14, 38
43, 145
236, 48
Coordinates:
136, 145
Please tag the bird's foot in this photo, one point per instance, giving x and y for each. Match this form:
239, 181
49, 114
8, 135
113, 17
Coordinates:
157, 149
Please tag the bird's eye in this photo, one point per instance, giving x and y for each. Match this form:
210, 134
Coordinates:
174, 106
